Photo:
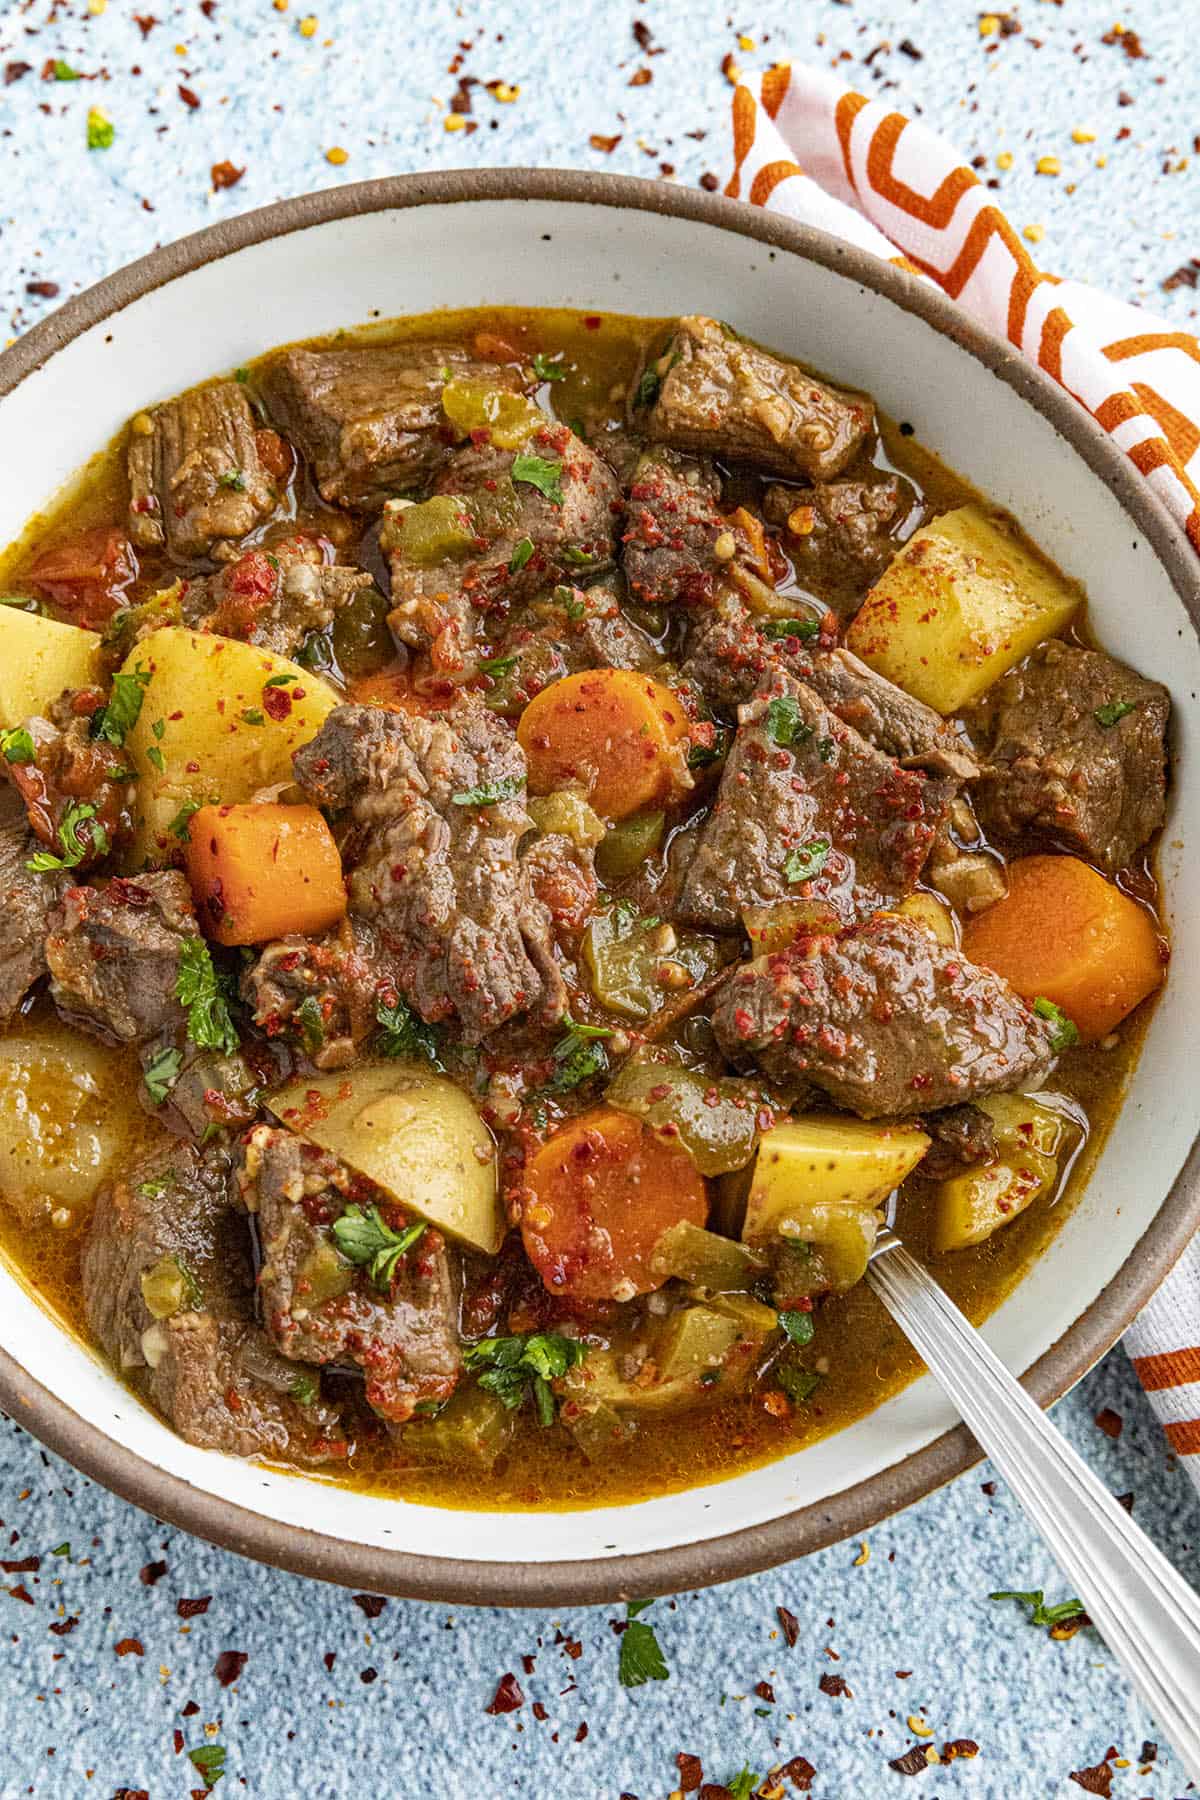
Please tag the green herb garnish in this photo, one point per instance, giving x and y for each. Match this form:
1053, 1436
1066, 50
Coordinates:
16, 746
198, 990
520, 555
252, 715
578, 1055
498, 665
517, 1369
63, 71
311, 1023
1039, 1612
743, 1784
304, 1390
808, 860
1108, 715
799, 1327
545, 370
1064, 1032
209, 1763
61, 1550
785, 724
640, 1659
114, 721
542, 473
648, 388
404, 1032
489, 793
798, 1384
364, 1238
100, 130
579, 559
804, 629
155, 756
178, 827
161, 1073
233, 479
93, 842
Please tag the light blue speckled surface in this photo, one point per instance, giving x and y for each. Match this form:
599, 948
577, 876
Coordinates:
401, 1711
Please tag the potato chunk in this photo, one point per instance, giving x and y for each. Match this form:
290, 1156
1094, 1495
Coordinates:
218, 722
59, 1129
823, 1160
959, 605
38, 659
414, 1134
971, 1206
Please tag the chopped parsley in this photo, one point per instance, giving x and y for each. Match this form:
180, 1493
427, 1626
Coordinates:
1039, 1612
700, 756
579, 559
799, 1327
498, 665
640, 1659
1063, 1031
808, 860
252, 715
1108, 715
242, 375
209, 1763
16, 746
161, 1073
489, 793
178, 827
63, 71
542, 473
279, 681
516, 1369
100, 132
826, 749
521, 555
804, 629
578, 1055
785, 725
233, 479
155, 756
742, 1785
305, 1389
363, 1238
61, 1550
571, 600
198, 990
311, 1023
93, 841
545, 370
648, 388
113, 722
315, 652
798, 1384
404, 1032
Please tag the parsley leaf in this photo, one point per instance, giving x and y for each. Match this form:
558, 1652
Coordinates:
155, 756
311, 1023
743, 1784
542, 473
648, 388
161, 1073
252, 715
520, 555
364, 1238
1108, 715
208, 1760
517, 1369
579, 559
94, 841
233, 479
785, 725
16, 745
305, 1389
578, 1055
804, 629
498, 665
178, 827
63, 71
100, 130
798, 1384
209, 1024
799, 1327
1039, 1612
490, 793
404, 1032
808, 860
1064, 1032
112, 723
545, 370
640, 1659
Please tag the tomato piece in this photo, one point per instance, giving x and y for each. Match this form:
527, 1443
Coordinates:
86, 577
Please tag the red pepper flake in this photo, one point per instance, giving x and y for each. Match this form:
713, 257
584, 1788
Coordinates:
47, 290
913, 1762
1131, 44
129, 1647
178, 1739
988, 1488
225, 175
582, 1732
1149, 1752
1111, 1423
959, 1747
189, 97
528, 1663
572, 1648
26, 1565
1186, 275
800, 1772
539, 1711
229, 1666
1094, 1781
13, 71
371, 1604
691, 1771
329, 1658
789, 1625
834, 1685
189, 1711
21, 1592
145, 23
64, 1627
709, 182
191, 1609
151, 1573
765, 1691
508, 1696
644, 39
641, 78
608, 144
368, 1675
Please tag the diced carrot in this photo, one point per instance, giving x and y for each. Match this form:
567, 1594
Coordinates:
261, 871
621, 734
86, 577
1064, 933
600, 1194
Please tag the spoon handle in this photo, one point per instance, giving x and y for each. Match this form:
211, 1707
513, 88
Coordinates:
1148, 1615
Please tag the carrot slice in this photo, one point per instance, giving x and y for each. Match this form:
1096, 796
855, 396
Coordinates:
260, 871
600, 1194
618, 732
1064, 933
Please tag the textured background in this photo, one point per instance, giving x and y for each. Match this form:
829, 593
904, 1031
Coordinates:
104, 1681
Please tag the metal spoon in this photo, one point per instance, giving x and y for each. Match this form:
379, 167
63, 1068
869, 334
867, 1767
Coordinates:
1148, 1615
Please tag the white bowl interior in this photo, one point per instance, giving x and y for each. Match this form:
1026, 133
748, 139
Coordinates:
594, 257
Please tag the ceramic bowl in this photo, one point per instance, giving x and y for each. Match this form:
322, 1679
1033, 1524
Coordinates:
413, 244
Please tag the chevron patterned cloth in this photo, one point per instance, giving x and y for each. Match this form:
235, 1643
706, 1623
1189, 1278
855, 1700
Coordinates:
806, 145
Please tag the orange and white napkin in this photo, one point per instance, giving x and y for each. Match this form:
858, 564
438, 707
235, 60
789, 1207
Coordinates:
807, 146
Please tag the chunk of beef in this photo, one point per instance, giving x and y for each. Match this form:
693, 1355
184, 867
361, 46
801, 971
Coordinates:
1075, 749
27, 900
78, 790
114, 953
673, 530
434, 871
273, 598
197, 480
807, 808
170, 1231
319, 1307
570, 629
844, 533
370, 421
721, 394
963, 1138
513, 541
729, 653
884, 1020
324, 992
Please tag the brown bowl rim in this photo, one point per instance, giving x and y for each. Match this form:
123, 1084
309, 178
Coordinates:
462, 1580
